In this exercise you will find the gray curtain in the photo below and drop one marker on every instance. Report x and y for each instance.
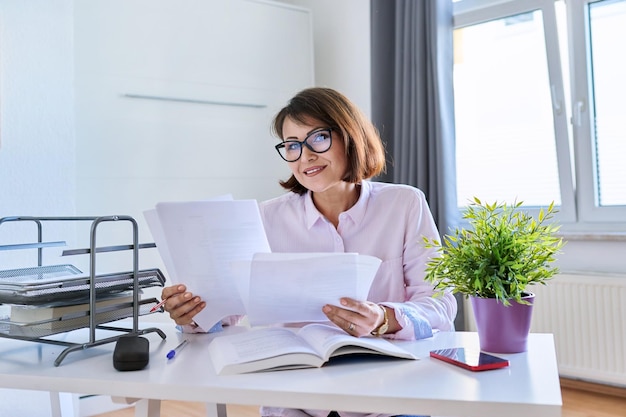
(413, 102)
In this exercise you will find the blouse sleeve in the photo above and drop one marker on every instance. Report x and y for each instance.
(422, 311)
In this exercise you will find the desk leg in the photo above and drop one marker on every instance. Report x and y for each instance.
(148, 408)
(64, 404)
(215, 410)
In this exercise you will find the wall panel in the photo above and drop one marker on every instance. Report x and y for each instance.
(174, 99)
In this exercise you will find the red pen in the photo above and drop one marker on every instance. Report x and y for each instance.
(158, 306)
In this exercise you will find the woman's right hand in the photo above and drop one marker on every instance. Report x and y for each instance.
(181, 305)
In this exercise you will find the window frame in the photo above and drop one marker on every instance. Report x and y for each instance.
(582, 119)
(578, 210)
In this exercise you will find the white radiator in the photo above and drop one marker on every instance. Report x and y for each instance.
(587, 315)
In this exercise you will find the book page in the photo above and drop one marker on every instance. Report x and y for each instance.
(274, 348)
(329, 340)
(203, 238)
(260, 349)
(293, 287)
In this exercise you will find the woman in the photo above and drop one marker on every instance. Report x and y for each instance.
(333, 150)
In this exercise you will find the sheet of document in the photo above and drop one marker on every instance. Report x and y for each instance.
(154, 224)
(293, 287)
(152, 219)
(200, 240)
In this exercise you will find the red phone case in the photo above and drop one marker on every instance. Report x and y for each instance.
(473, 360)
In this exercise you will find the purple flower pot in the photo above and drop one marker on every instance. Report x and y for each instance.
(502, 329)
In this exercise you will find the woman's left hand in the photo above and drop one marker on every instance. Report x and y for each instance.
(358, 318)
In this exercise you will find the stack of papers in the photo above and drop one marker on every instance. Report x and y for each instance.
(219, 250)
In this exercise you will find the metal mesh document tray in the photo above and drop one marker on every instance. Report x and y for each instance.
(73, 321)
(78, 300)
(45, 284)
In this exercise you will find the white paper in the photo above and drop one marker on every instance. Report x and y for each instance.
(154, 224)
(152, 220)
(293, 287)
(219, 250)
(199, 240)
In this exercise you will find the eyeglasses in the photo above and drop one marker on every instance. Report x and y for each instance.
(318, 141)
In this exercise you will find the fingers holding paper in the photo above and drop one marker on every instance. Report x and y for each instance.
(358, 318)
(181, 305)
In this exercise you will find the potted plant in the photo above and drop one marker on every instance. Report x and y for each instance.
(493, 262)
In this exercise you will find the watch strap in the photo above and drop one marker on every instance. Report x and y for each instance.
(384, 326)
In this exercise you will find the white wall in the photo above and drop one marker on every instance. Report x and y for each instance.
(209, 92)
(342, 47)
(37, 136)
(37, 149)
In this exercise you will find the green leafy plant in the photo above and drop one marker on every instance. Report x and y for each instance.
(504, 250)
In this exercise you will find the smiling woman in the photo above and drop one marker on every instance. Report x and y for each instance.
(320, 109)
(332, 205)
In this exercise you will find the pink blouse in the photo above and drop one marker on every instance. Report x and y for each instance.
(388, 221)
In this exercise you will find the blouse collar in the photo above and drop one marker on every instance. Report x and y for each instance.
(356, 212)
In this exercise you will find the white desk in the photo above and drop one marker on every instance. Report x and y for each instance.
(529, 387)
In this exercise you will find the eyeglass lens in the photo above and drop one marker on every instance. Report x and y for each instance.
(318, 142)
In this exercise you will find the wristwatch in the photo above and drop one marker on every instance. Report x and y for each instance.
(382, 329)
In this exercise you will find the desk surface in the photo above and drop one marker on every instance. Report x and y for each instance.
(529, 386)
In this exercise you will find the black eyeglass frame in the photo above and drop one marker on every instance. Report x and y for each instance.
(305, 143)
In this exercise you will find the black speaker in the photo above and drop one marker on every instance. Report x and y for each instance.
(131, 353)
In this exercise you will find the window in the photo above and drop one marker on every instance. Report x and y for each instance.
(537, 87)
(607, 33)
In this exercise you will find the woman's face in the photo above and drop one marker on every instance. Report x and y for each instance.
(317, 172)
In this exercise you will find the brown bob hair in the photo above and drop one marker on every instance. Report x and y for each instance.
(363, 146)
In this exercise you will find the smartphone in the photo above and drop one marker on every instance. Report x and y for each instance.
(472, 359)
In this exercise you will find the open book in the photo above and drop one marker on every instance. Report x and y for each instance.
(279, 348)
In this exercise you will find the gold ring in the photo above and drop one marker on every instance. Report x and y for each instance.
(351, 327)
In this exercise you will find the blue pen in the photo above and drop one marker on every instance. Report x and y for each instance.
(177, 349)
